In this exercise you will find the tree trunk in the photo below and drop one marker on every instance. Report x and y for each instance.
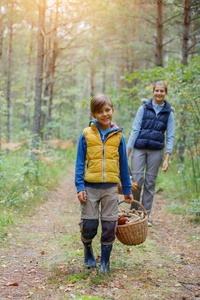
(92, 79)
(27, 96)
(92, 75)
(122, 78)
(103, 77)
(92, 70)
(1, 42)
(159, 39)
(53, 67)
(193, 39)
(39, 75)
(47, 85)
(8, 91)
(132, 67)
(186, 23)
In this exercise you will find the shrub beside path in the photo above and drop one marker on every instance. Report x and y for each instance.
(42, 257)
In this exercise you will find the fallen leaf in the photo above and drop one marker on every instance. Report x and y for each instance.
(68, 290)
(42, 252)
(178, 284)
(11, 284)
(117, 287)
(31, 271)
(61, 287)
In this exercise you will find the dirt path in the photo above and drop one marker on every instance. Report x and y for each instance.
(42, 257)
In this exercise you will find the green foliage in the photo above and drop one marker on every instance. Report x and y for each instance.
(195, 207)
(177, 208)
(24, 184)
(77, 277)
(179, 188)
(183, 95)
(89, 297)
(5, 218)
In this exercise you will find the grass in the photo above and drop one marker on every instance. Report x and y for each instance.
(24, 184)
(147, 270)
(84, 298)
(180, 188)
(69, 268)
(142, 267)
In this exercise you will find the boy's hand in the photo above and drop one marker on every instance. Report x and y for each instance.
(128, 198)
(82, 196)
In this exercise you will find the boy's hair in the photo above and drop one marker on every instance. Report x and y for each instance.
(160, 82)
(98, 101)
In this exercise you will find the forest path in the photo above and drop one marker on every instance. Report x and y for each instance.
(42, 257)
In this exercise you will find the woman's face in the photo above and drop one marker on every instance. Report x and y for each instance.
(159, 94)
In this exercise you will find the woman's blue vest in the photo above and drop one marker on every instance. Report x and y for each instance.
(153, 126)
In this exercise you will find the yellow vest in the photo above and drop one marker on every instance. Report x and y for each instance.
(102, 160)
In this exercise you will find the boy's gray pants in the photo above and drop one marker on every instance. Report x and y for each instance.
(151, 159)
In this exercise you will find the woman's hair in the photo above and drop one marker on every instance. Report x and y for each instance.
(160, 83)
(98, 101)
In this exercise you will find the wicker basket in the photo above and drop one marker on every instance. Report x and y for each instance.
(133, 233)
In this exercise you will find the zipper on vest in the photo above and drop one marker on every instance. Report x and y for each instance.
(102, 140)
(87, 167)
(103, 144)
(103, 163)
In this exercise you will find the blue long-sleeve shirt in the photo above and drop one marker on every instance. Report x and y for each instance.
(138, 122)
(80, 166)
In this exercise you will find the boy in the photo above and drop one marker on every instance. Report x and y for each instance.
(146, 142)
(101, 162)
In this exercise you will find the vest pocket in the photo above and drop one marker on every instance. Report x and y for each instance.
(117, 162)
(87, 167)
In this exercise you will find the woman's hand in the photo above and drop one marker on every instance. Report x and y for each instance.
(128, 152)
(166, 163)
(82, 196)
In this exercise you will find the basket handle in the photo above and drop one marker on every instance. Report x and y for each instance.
(138, 203)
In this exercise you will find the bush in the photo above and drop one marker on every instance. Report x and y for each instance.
(25, 184)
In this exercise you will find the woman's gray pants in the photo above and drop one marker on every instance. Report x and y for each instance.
(147, 161)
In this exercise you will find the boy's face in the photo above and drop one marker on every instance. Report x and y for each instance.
(104, 116)
(159, 94)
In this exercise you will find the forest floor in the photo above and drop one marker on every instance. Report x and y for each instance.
(42, 256)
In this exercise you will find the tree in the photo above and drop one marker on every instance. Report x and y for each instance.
(1, 41)
(39, 73)
(27, 96)
(191, 27)
(186, 24)
(159, 39)
(8, 89)
(52, 70)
